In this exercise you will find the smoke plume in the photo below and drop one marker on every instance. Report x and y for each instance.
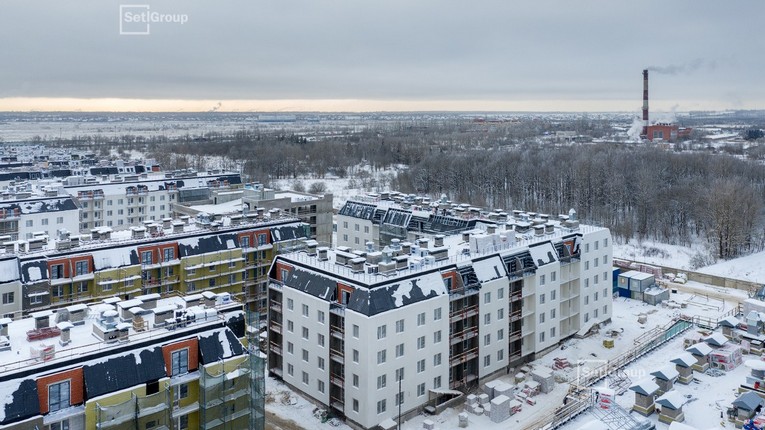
(684, 68)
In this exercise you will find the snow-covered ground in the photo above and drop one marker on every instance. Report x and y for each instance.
(749, 268)
(652, 252)
(588, 352)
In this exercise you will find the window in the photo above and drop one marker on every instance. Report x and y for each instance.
(36, 300)
(30, 223)
(382, 381)
(61, 425)
(305, 378)
(586, 247)
(596, 295)
(211, 283)
(356, 227)
(586, 265)
(305, 311)
(421, 319)
(421, 390)
(180, 362)
(595, 313)
(262, 239)
(355, 380)
(487, 318)
(541, 279)
(400, 374)
(366, 229)
(500, 313)
(500, 355)
(381, 332)
(169, 253)
(45, 221)
(345, 238)
(381, 356)
(586, 316)
(355, 405)
(399, 350)
(437, 337)
(355, 331)
(586, 282)
(500, 334)
(355, 355)
(290, 347)
(437, 382)
(400, 326)
(320, 339)
(421, 366)
(541, 337)
(553, 294)
(552, 332)
(381, 406)
(58, 396)
(8, 298)
(487, 361)
(437, 360)
(553, 276)
(305, 333)
(604, 259)
(290, 304)
(319, 316)
(290, 326)
(448, 283)
(541, 318)
(320, 386)
(146, 257)
(60, 220)
(595, 280)
(436, 314)
(487, 339)
(82, 288)
(487, 298)
(244, 241)
(57, 271)
(421, 342)
(597, 244)
(605, 292)
(399, 399)
(605, 276)
(586, 300)
(552, 314)
(541, 299)
(605, 309)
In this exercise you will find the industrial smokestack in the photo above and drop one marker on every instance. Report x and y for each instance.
(645, 103)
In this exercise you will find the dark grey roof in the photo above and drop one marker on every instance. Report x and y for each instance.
(358, 210)
(312, 283)
(211, 346)
(43, 205)
(397, 217)
(289, 232)
(34, 270)
(122, 371)
(748, 401)
(401, 293)
(25, 403)
(235, 323)
(206, 244)
(104, 171)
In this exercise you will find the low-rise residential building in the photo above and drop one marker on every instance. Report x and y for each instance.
(441, 314)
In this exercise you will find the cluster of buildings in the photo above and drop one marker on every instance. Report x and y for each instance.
(439, 298)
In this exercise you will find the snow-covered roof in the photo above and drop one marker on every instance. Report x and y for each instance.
(716, 339)
(730, 321)
(668, 373)
(684, 360)
(672, 400)
(699, 349)
(646, 387)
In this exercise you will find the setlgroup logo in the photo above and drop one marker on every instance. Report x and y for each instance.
(137, 19)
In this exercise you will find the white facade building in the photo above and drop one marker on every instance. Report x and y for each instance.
(343, 329)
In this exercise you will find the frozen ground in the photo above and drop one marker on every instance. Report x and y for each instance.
(651, 252)
(588, 352)
(749, 268)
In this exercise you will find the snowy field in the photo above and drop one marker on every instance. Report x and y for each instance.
(749, 268)
(651, 252)
(705, 408)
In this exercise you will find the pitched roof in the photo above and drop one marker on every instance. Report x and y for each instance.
(401, 293)
(672, 400)
(699, 349)
(716, 339)
(667, 373)
(123, 371)
(685, 359)
(21, 403)
(748, 401)
(646, 387)
(730, 321)
(218, 345)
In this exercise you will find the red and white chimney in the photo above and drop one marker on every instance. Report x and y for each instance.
(645, 103)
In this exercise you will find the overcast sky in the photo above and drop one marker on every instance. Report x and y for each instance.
(390, 55)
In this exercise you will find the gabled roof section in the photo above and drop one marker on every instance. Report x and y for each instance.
(9, 270)
(684, 360)
(397, 217)
(206, 244)
(392, 296)
(668, 373)
(716, 339)
(21, 403)
(34, 270)
(123, 371)
(44, 205)
(748, 401)
(730, 321)
(288, 232)
(699, 349)
(219, 345)
(543, 253)
(312, 283)
(112, 258)
(672, 400)
(489, 269)
(358, 210)
(646, 387)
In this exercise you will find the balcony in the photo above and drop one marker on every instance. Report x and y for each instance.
(464, 313)
(275, 306)
(275, 348)
(337, 332)
(337, 380)
(275, 326)
(514, 336)
(515, 316)
(515, 296)
(336, 403)
(464, 357)
(337, 356)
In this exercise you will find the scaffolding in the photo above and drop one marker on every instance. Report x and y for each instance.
(139, 412)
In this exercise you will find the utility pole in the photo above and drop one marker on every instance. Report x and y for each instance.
(400, 401)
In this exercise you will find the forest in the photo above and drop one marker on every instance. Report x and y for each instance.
(674, 194)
